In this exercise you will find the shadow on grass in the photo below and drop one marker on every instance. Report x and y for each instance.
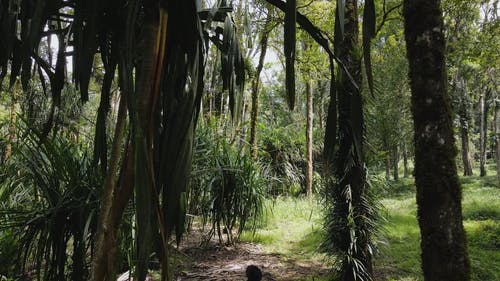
(395, 189)
(477, 181)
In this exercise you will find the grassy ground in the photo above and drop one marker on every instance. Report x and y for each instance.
(293, 229)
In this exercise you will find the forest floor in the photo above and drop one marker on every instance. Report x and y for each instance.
(285, 243)
(215, 261)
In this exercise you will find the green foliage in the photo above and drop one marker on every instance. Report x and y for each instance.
(50, 206)
(350, 225)
(8, 249)
(228, 188)
(388, 118)
(282, 151)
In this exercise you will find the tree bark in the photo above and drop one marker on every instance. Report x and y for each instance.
(497, 136)
(444, 253)
(395, 162)
(107, 228)
(405, 162)
(463, 113)
(387, 167)
(255, 86)
(309, 139)
(464, 136)
(483, 128)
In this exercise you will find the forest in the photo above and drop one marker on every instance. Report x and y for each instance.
(338, 140)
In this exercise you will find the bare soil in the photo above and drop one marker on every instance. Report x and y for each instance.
(214, 261)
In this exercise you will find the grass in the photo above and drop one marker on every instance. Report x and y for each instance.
(291, 226)
(294, 229)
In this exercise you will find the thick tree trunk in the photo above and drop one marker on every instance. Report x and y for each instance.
(255, 86)
(444, 253)
(395, 163)
(309, 139)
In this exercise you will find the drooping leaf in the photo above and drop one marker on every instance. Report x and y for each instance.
(88, 46)
(231, 56)
(180, 103)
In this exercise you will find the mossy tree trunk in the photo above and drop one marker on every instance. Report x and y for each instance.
(483, 130)
(444, 253)
(464, 117)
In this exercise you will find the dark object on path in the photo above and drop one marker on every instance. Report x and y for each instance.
(253, 273)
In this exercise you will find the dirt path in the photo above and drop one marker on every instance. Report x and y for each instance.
(218, 262)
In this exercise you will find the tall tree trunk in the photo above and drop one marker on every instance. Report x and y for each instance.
(405, 161)
(348, 191)
(309, 138)
(444, 253)
(464, 125)
(255, 85)
(466, 159)
(497, 136)
(483, 128)
(387, 167)
(107, 228)
(320, 108)
(395, 162)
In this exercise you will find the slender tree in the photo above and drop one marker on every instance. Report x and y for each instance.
(483, 130)
(463, 112)
(256, 81)
(309, 137)
(496, 121)
(444, 253)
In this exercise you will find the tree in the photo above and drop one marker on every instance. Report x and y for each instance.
(256, 81)
(444, 253)
(460, 18)
(349, 215)
(388, 111)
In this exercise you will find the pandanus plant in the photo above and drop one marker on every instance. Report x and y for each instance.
(154, 51)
